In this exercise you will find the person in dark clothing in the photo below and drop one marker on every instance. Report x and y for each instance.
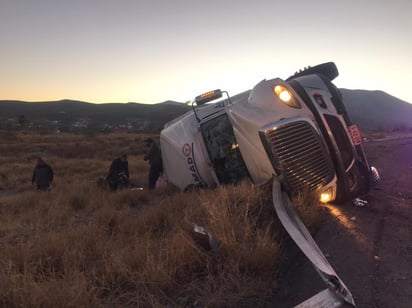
(154, 157)
(118, 176)
(42, 175)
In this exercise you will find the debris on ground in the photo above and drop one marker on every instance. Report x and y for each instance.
(202, 237)
(359, 202)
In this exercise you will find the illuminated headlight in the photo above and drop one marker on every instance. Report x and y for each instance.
(326, 196)
(285, 96)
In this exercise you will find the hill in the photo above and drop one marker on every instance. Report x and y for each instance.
(371, 110)
(70, 113)
(377, 110)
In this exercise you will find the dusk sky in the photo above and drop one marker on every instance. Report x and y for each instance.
(156, 50)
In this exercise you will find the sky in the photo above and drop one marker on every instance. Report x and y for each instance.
(150, 51)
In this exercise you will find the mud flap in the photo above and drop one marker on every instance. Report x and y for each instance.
(337, 294)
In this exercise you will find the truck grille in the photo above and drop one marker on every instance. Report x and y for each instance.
(298, 153)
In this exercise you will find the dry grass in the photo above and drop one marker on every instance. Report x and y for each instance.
(82, 246)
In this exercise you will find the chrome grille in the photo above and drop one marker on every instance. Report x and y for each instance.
(300, 155)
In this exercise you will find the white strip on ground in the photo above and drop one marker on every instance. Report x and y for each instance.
(301, 236)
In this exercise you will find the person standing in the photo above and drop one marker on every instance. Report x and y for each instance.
(154, 157)
(118, 176)
(42, 175)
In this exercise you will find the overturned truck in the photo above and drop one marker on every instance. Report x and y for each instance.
(294, 132)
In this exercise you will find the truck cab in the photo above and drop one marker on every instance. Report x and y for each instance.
(295, 129)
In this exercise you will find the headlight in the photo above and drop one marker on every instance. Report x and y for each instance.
(326, 196)
(285, 96)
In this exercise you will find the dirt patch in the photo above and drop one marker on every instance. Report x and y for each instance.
(370, 247)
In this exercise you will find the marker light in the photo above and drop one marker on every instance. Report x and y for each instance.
(285, 96)
(208, 96)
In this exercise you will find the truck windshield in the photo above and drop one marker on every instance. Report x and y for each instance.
(223, 150)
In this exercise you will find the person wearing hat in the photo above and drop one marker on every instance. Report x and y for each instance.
(118, 176)
(154, 157)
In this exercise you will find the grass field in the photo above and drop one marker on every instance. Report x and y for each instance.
(81, 245)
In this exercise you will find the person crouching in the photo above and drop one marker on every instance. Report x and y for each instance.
(118, 176)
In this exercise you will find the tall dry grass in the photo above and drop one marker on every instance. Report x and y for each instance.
(79, 245)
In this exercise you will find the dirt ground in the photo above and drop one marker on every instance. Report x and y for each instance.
(369, 247)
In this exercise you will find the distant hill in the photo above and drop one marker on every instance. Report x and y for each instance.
(65, 113)
(377, 110)
(113, 111)
(371, 110)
